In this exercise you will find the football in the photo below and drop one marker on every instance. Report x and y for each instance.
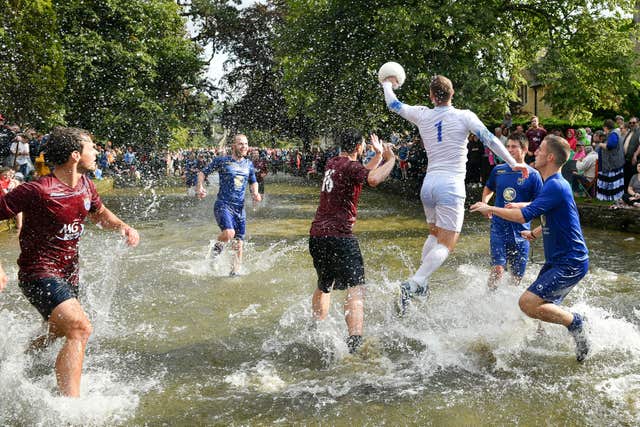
(392, 69)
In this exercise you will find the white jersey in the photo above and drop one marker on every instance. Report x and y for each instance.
(444, 132)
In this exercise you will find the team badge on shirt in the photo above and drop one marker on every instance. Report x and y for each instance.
(87, 204)
(509, 194)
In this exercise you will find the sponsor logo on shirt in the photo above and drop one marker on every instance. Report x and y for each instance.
(71, 231)
(509, 194)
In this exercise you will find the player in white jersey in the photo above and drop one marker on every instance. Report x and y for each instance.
(444, 130)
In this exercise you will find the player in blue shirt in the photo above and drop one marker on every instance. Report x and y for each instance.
(236, 171)
(566, 254)
(507, 244)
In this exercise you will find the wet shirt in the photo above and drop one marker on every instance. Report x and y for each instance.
(234, 177)
(535, 137)
(509, 187)
(53, 221)
(341, 188)
(561, 230)
(444, 131)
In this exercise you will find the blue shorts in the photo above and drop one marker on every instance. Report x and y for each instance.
(46, 294)
(506, 248)
(230, 217)
(555, 281)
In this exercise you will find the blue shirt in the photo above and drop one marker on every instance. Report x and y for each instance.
(561, 231)
(191, 172)
(234, 176)
(510, 187)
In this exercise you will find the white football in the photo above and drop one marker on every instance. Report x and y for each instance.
(392, 69)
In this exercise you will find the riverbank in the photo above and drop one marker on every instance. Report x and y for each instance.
(592, 213)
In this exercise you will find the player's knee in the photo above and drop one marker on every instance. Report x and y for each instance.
(80, 329)
(228, 235)
(527, 305)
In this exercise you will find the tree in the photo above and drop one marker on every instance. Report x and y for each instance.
(31, 65)
(132, 73)
(330, 51)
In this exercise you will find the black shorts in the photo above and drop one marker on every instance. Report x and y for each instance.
(46, 294)
(338, 262)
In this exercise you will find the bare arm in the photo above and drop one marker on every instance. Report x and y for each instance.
(200, 190)
(487, 194)
(513, 215)
(381, 173)
(3, 278)
(253, 188)
(531, 235)
(377, 148)
(108, 220)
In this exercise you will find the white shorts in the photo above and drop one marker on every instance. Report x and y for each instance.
(443, 201)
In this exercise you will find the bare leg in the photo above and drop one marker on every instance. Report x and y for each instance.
(237, 257)
(354, 310)
(537, 308)
(69, 320)
(320, 304)
(495, 276)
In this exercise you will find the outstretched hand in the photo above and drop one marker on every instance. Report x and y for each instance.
(375, 143)
(201, 193)
(131, 235)
(393, 80)
(522, 167)
(482, 208)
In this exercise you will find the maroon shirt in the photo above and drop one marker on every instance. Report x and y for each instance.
(535, 137)
(341, 187)
(53, 221)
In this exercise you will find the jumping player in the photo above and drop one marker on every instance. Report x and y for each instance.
(236, 171)
(507, 244)
(444, 130)
(334, 248)
(54, 209)
(565, 251)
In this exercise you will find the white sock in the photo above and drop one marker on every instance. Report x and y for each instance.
(429, 244)
(435, 258)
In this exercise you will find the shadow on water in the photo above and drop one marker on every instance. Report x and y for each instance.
(178, 342)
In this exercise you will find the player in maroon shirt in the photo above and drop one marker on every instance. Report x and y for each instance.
(535, 135)
(54, 209)
(334, 248)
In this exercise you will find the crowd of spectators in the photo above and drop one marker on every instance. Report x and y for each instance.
(603, 163)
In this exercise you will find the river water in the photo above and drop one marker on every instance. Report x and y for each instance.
(178, 342)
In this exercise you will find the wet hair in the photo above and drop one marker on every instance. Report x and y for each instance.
(609, 124)
(441, 88)
(350, 139)
(62, 142)
(520, 138)
(559, 147)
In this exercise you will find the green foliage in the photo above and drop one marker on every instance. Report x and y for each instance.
(31, 65)
(123, 69)
(131, 72)
(330, 51)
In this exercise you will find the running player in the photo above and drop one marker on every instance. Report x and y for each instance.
(444, 130)
(507, 244)
(54, 208)
(334, 248)
(236, 171)
(565, 251)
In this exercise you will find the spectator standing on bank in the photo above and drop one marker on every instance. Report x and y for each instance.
(611, 170)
